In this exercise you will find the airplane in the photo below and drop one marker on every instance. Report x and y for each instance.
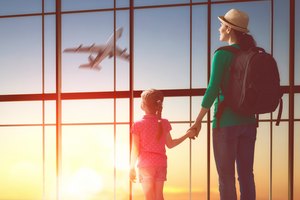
(102, 51)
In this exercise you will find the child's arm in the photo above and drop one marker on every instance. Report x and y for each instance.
(170, 142)
(134, 156)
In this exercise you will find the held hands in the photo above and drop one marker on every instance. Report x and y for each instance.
(195, 128)
(192, 133)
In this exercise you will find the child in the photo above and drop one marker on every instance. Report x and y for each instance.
(150, 135)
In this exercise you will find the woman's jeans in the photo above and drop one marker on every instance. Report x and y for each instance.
(232, 145)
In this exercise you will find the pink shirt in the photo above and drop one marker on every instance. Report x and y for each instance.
(152, 151)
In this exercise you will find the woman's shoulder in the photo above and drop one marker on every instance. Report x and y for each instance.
(226, 50)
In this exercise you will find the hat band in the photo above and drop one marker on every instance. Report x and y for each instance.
(234, 24)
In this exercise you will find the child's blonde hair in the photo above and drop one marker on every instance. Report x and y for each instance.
(153, 100)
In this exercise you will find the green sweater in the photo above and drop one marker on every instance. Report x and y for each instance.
(220, 65)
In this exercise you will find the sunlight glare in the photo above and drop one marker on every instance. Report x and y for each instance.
(86, 182)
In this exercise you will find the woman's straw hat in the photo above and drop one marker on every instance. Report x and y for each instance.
(236, 19)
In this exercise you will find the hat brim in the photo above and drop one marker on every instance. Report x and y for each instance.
(238, 28)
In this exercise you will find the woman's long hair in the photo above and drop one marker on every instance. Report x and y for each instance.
(153, 100)
(245, 40)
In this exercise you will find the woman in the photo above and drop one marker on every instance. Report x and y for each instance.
(234, 139)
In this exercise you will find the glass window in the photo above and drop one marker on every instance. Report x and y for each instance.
(158, 2)
(50, 56)
(88, 162)
(87, 111)
(50, 162)
(199, 165)
(177, 186)
(14, 7)
(122, 110)
(29, 112)
(122, 66)
(21, 163)
(297, 42)
(122, 3)
(122, 161)
(71, 5)
(280, 161)
(281, 39)
(49, 5)
(20, 51)
(262, 161)
(199, 47)
(161, 51)
(79, 30)
(296, 106)
(297, 160)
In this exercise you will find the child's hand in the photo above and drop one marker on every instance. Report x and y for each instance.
(132, 175)
(192, 133)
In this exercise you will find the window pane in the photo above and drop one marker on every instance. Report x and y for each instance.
(177, 184)
(161, 58)
(122, 3)
(296, 106)
(297, 161)
(50, 5)
(87, 111)
(158, 2)
(122, 112)
(68, 5)
(50, 162)
(281, 39)
(13, 7)
(80, 29)
(50, 56)
(176, 108)
(21, 163)
(88, 162)
(199, 73)
(122, 69)
(20, 51)
(21, 112)
(50, 112)
(122, 161)
(297, 42)
(199, 165)
(262, 161)
(280, 161)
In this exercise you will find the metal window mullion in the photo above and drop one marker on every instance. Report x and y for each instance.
(208, 77)
(191, 65)
(58, 98)
(131, 81)
(291, 102)
(43, 100)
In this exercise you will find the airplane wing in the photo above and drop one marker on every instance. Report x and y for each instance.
(86, 49)
(122, 53)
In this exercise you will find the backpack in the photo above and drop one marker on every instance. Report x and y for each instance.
(254, 84)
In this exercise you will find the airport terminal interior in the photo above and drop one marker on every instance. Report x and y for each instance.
(71, 76)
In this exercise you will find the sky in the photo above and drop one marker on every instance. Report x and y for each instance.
(162, 53)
